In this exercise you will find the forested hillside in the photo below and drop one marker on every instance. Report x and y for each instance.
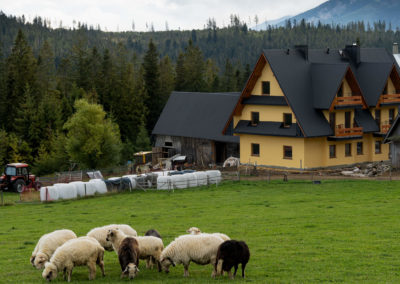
(88, 97)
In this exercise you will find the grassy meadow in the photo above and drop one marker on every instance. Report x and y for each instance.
(298, 232)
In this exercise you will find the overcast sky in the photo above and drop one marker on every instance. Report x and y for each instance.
(118, 15)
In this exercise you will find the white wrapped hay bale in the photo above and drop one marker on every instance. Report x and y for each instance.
(48, 193)
(90, 187)
(98, 185)
(179, 181)
(66, 190)
(114, 178)
(164, 183)
(80, 188)
(201, 178)
(214, 177)
(192, 179)
(132, 179)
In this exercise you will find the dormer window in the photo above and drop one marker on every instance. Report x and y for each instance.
(266, 88)
(255, 118)
(287, 119)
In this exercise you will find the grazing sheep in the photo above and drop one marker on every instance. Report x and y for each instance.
(150, 261)
(196, 231)
(47, 244)
(76, 252)
(128, 252)
(230, 254)
(100, 234)
(201, 249)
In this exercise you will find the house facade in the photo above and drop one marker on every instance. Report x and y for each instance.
(310, 108)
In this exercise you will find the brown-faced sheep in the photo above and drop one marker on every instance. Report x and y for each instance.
(201, 249)
(75, 252)
(196, 231)
(100, 234)
(47, 245)
(230, 254)
(128, 252)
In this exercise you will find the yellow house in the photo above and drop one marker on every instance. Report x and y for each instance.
(308, 109)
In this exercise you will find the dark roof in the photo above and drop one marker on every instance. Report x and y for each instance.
(267, 128)
(391, 129)
(365, 120)
(265, 100)
(326, 80)
(197, 115)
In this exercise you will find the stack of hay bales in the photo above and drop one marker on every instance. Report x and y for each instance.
(201, 178)
(214, 177)
(164, 183)
(179, 181)
(48, 193)
(192, 179)
(66, 191)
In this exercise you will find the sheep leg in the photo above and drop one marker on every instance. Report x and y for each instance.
(92, 270)
(148, 262)
(243, 267)
(101, 264)
(186, 273)
(159, 266)
(69, 272)
(65, 273)
(236, 268)
(214, 264)
(230, 274)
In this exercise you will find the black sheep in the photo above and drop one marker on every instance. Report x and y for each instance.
(153, 233)
(128, 255)
(230, 254)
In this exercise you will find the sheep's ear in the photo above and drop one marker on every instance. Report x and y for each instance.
(137, 269)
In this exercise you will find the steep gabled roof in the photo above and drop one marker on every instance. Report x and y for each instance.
(197, 115)
(372, 86)
(293, 74)
(326, 80)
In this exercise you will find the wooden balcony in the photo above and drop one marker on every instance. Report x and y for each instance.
(385, 128)
(347, 101)
(389, 99)
(341, 131)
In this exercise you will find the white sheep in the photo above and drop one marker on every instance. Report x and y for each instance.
(196, 231)
(149, 246)
(47, 244)
(76, 252)
(100, 234)
(201, 249)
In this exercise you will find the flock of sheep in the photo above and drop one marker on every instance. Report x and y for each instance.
(61, 250)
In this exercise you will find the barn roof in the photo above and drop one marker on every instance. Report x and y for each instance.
(197, 115)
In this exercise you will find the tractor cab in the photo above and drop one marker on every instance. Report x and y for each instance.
(16, 176)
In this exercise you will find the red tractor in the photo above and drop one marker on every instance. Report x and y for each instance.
(16, 177)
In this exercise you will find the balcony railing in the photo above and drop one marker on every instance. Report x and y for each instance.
(345, 101)
(341, 131)
(385, 126)
(389, 98)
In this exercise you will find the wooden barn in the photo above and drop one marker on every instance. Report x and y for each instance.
(191, 124)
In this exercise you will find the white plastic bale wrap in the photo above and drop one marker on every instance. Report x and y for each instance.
(164, 183)
(66, 190)
(97, 185)
(201, 178)
(114, 178)
(192, 179)
(48, 193)
(214, 177)
(179, 181)
(132, 179)
(80, 188)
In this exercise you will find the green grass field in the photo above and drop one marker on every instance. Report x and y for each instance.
(339, 231)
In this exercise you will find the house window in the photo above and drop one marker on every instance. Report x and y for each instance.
(255, 118)
(266, 88)
(287, 119)
(287, 152)
(255, 150)
(378, 117)
(332, 120)
(359, 148)
(391, 116)
(340, 91)
(347, 119)
(332, 151)
(378, 147)
(347, 149)
(168, 144)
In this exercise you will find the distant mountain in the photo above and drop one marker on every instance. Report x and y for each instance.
(345, 11)
(264, 25)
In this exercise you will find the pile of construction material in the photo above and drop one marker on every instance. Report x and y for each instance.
(369, 170)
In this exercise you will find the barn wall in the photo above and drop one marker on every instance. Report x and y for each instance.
(198, 151)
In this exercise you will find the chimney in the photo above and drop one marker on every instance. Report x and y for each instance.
(353, 52)
(303, 49)
(395, 48)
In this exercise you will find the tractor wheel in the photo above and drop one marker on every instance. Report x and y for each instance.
(19, 185)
